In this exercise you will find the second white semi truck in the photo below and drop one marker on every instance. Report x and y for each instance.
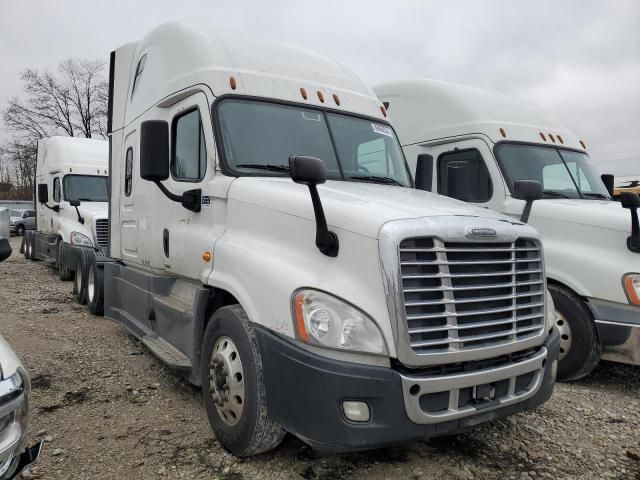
(71, 206)
(476, 145)
(266, 240)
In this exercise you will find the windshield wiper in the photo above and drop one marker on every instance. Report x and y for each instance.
(596, 195)
(553, 193)
(377, 179)
(273, 168)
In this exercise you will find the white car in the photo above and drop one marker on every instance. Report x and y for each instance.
(21, 221)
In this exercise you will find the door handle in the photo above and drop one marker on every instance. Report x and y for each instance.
(165, 242)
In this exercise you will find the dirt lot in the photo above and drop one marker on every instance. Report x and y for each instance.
(108, 409)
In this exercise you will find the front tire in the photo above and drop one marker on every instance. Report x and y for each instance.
(233, 386)
(20, 230)
(580, 348)
(82, 274)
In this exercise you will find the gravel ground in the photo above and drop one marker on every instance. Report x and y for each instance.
(106, 408)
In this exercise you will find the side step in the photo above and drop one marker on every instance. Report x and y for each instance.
(166, 352)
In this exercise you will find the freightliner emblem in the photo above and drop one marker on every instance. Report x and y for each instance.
(481, 232)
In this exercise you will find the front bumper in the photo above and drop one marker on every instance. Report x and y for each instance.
(305, 392)
(618, 329)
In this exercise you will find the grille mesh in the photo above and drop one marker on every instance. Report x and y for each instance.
(463, 296)
(102, 232)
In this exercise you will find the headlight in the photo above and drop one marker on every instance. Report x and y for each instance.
(80, 240)
(324, 320)
(551, 312)
(631, 283)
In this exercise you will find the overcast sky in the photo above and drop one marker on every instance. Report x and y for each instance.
(578, 59)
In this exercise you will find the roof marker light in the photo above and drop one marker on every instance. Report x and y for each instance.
(303, 92)
(503, 133)
(553, 139)
(383, 110)
(336, 99)
(320, 96)
(583, 145)
(559, 139)
(232, 83)
(543, 137)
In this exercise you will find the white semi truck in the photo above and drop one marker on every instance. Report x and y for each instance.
(475, 145)
(71, 205)
(266, 241)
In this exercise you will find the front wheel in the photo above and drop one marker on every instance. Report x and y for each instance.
(233, 385)
(580, 348)
(95, 292)
(20, 230)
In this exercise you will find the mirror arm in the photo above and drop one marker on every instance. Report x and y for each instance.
(526, 212)
(80, 218)
(191, 199)
(633, 242)
(326, 241)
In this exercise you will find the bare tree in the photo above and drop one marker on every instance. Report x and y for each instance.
(72, 102)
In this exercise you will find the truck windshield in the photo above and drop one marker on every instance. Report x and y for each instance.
(259, 137)
(86, 188)
(563, 173)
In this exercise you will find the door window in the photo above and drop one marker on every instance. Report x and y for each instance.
(56, 189)
(189, 159)
(473, 183)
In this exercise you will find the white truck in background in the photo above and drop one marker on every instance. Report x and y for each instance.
(267, 242)
(475, 145)
(71, 205)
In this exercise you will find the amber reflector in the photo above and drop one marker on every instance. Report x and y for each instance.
(206, 256)
(232, 82)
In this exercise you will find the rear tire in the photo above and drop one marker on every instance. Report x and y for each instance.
(31, 242)
(95, 293)
(82, 273)
(576, 326)
(20, 230)
(25, 245)
(61, 260)
(231, 364)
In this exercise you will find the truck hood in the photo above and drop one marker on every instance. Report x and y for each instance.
(93, 209)
(354, 206)
(9, 361)
(596, 213)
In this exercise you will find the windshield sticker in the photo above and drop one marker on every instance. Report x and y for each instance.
(382, 129)
(314, 117)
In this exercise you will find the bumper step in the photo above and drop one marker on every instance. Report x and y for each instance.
(166, 352)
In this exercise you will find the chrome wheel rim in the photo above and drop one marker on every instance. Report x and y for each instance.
(565, 335)
(91, 287)
(226, 381)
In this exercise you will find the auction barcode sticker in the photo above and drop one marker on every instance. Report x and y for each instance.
(382, 129)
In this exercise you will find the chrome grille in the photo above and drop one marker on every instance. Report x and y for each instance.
(460, 296)
(102, 232)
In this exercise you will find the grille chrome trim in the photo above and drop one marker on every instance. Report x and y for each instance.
(101, 232)
(453, 385)
(445, 282)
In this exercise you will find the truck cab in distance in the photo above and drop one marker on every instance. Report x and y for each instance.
(71, 202)
(267, 242)
(475, 145)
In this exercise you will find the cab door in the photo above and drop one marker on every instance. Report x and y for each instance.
(187, 236)
(131, 222)
(479, 182)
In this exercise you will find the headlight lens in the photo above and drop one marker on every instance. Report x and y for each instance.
(324, 320)
(80, 240)
(631, 282)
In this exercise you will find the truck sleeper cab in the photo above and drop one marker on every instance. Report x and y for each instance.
(473, 145)
(266, 241)
(71, 206)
